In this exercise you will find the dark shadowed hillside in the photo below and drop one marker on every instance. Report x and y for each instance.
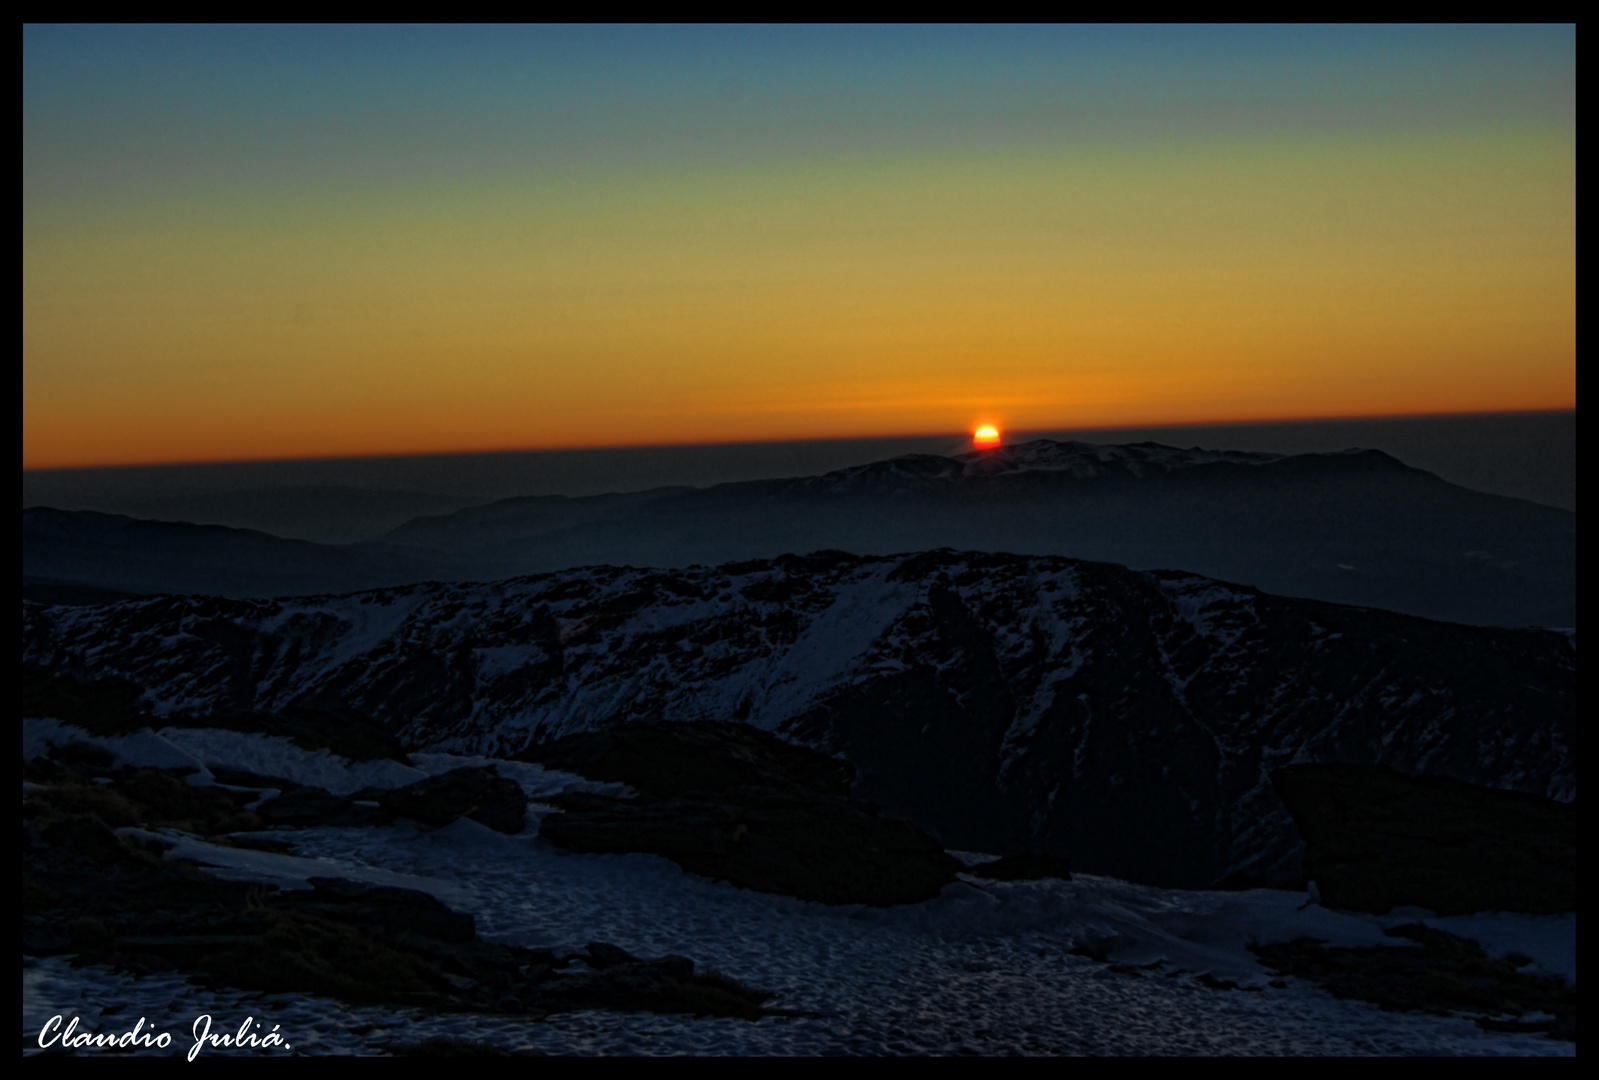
(1127, 720)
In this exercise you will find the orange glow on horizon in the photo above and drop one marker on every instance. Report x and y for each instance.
(866, 296)
(985, 437)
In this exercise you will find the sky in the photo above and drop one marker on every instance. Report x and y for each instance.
(263, 243)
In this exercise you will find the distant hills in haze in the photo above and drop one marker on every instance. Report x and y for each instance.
(336, 514)
(1357, 527)
(81, 556)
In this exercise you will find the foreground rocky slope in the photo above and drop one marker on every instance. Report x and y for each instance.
(97, 887)
(1126, 720)
(118, 913)
(1447, 975)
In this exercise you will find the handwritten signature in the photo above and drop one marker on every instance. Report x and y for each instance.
(66, 1033)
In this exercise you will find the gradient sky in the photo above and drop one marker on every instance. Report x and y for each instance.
(279, 242)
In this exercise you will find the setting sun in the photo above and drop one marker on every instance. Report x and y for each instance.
(986, 437)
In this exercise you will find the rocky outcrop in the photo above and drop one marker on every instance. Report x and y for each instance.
(1446, 974)
(675, 759)
(112, 706)
(740, 805)
(110, 897)
(477, 792)
(345, 732)
(301, 807)
(481, 794)
(1376, 839)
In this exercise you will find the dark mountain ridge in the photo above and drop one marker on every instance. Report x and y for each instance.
(1127, 720)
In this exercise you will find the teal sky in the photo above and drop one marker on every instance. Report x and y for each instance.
(113, 106)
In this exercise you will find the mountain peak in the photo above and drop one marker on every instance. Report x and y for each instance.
(1048, 455)
(1082, 460)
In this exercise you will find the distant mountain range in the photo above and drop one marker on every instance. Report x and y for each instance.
(81, 556)
(339, 514)
(1355, 527)
(1127, 720)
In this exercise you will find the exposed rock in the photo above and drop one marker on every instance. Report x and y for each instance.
(384, 910)
(1446, 974)
(313, 806)
(1377, 839)
(111, 898)
(157, 798)
(244, 778)
(113, 706)
(1024, 867)
(731, 802)
(675, 759)
(345, 732)
(479, 793)
(103, 706)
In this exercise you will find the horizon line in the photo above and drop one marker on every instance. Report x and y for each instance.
(1005, 435)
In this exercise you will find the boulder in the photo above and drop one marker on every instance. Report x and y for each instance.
(382, 910)
(1376, 839)
(675, 759)
(735, 803)
(305, 806)
(1448, 974)
(479, 793)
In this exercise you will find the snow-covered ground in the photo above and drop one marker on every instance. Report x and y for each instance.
(985, 968)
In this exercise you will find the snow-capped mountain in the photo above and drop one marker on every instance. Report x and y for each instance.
(1353, 527)
(1125, 719)
(1083, 461)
